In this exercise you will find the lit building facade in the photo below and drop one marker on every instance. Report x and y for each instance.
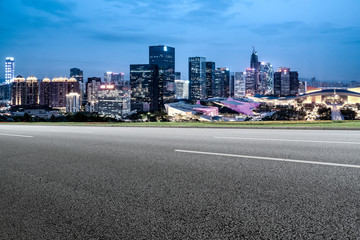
(25, 92)
(255, 64)
(266, 79)
(92, 87)
(210, 78)
(250, 81)
(239, 84)
(164, 57)
(113, 101)
(286, 82)
(73, 102)
(60, 87)
(197, 78)
(9, 70)
(221, 86)
(144, 82)
(114, 78)
(45, 92)
(182, 89)
(18, 91)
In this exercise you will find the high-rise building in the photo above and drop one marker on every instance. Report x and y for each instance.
(182, 89)
(114, 78)
(266, 79)
(197, 78)
(255, 64)
(144, 82)
(177, 75)
(18, 91)
(221, 84)
(210, 78)
(9, 70)
(113, 101)
(286, 82)
(45, 92)
(25, 93)
(232, 84)
(164, 57)
(32, 91)
(92, 86)
(250, 81)
(302, 87)
(60, 87)
(77, 74)
(73, 102)
(239, 84)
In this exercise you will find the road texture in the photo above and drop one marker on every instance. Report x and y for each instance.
(171, 183)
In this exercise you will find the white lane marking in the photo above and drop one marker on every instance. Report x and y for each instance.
(287, 140)
(15, 135)
(271, 159)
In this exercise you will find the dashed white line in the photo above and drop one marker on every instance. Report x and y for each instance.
(271, 159)
(287, 140)
(15, 135)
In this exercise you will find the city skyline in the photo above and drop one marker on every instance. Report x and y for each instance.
(49, 37)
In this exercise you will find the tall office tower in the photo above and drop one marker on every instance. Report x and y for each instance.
(221, 84)
(313, 82)
(60, 87)
(144, 82)
(9, 70)
(18, 91)
(294, 83)
(114, 78)
(255, 64)
(266, 79)
(210, 78)
(113, 101)
(45, 92)
(164, 57)
(177, 75)
(239, 84)
(182, 89)
(227, 82)
(232, 84)
(77, 74)
(286, 83)
(302, 87)
(197, 78)
(250, 82)
(32, 91)
(92, 87)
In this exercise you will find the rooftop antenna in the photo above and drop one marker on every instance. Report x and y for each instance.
(254, 49)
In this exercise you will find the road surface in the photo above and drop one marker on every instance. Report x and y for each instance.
(172, 183)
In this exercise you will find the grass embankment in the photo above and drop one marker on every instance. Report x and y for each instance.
(271, 124)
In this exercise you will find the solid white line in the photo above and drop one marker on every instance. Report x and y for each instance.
(286, 140)
(271, 159)
(15, 135)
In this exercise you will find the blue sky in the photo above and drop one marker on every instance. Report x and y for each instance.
(48, 37)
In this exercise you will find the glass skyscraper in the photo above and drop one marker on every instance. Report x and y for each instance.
(286, 82)
(210, 78)
(9, 70)
(164, 57)
(197, 78)
(266, 79)
(144, 81)
(221, 85)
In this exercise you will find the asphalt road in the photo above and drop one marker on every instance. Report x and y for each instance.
(172, 183)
